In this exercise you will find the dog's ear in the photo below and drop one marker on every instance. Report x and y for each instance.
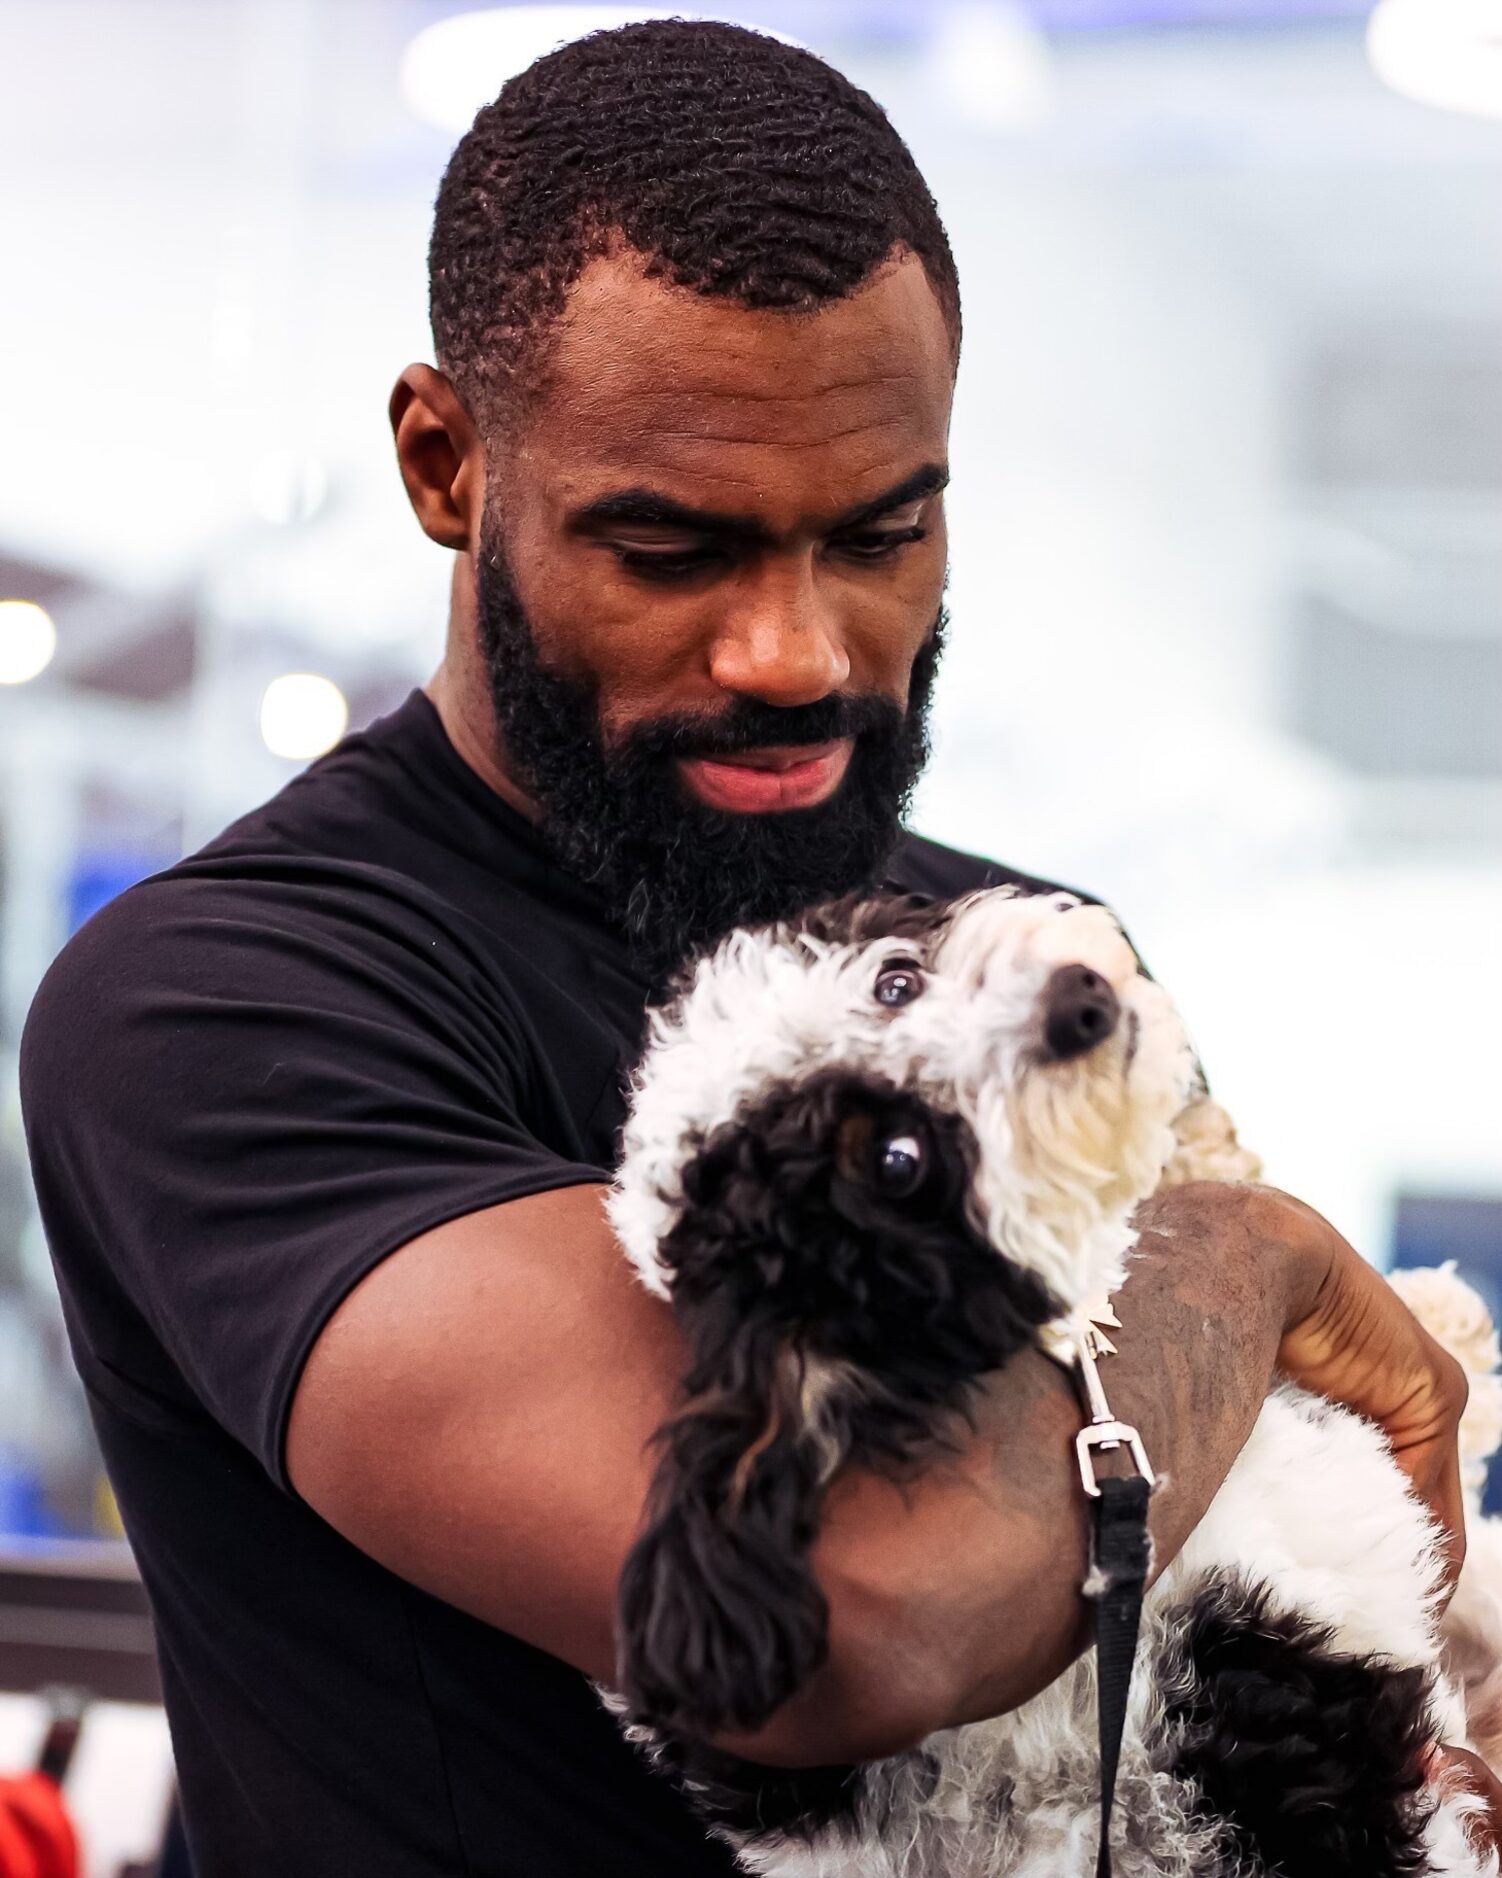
(836, 1305)
(720, 1616)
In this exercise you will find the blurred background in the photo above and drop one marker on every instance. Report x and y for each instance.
(1227, 553)
(1226, 513)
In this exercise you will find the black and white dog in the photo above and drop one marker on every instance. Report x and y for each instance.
(870, 1156)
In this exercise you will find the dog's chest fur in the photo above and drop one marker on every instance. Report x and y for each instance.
(1314, 1570)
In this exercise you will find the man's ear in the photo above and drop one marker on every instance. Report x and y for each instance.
(440, 455)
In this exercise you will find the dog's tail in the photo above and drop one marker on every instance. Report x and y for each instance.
(720, 1615)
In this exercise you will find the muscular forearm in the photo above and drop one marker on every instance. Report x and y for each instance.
(972, 1572)
(477, 1414)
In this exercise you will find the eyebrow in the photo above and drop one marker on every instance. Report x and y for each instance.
(648, 506)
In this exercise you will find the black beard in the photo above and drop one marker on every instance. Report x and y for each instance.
(676, 874)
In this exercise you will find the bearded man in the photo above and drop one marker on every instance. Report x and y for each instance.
(320, 1117)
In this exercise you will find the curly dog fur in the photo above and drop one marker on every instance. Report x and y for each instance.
(869, 1157)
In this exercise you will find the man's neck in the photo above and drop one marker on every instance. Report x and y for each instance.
(470, 728)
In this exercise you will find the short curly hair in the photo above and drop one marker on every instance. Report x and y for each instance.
(734, 163)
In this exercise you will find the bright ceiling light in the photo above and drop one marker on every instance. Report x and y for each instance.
(455, 65)
(1442, 52)
(28, 640)
(302, 715)
(993, 65)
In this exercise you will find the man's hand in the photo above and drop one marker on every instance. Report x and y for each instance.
(1345, 1333)
(1353, 1341)
(1459, 1767)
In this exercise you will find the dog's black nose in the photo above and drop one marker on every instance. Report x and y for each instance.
(1080, 1010)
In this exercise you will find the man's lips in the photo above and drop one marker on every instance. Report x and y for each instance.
(783, 776)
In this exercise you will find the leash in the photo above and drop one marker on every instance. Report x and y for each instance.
(1118, 1566)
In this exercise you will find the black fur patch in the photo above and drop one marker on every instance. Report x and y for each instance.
(861, 919)
(1314, 1758)
(798, 1802)
(786, 1229)
(857, 919)
(790, 1259)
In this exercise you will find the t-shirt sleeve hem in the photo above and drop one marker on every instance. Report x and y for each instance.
(288, 1373)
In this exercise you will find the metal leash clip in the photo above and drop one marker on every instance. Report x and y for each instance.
(1103, 1432)
(1120, 1549)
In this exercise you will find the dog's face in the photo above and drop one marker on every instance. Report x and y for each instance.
(1000, 1057)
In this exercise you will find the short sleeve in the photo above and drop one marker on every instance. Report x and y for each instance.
(240, 1097)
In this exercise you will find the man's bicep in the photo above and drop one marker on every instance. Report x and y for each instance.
(475, 1415)
(238, 1109)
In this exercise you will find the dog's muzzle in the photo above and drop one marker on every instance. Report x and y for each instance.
(1080, 1010)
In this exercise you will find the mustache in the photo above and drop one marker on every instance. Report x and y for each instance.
(750, 724)
(870, 718)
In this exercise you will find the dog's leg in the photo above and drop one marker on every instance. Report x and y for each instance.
(1471, 1630)
(1307, 1692)
(1317, 1759)
(1457, 1318)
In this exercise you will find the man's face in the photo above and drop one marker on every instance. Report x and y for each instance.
(709, 588)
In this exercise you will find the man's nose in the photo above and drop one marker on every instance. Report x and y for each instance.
(779, 642)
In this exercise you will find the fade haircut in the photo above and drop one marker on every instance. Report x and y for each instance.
(732, 163)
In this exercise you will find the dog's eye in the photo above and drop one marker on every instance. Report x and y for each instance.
(899, 982)
(901, 1163)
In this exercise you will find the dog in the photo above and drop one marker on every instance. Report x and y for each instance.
(870, 1156)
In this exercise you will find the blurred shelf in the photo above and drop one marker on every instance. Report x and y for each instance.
(75, 1612)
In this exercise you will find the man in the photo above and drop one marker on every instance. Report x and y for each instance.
(320, 1117)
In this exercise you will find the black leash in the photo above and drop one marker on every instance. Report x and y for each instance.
(1121, 1561)
(1118, 1569)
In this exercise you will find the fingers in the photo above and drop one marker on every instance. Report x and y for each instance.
(1358, 1344)
(1465, 1769)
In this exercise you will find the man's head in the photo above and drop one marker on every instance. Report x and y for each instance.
(697, 323)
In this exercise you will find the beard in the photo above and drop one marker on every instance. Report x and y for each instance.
(675, 873)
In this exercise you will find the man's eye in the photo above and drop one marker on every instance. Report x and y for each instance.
(668, 564)
(876, 544)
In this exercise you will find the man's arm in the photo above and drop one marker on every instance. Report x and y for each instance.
(476, 1417)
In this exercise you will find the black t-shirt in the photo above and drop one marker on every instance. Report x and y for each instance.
(373, 1005)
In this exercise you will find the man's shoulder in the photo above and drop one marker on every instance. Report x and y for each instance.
(928, 867)
(219, 929)
(91, 990)
(225, 896)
